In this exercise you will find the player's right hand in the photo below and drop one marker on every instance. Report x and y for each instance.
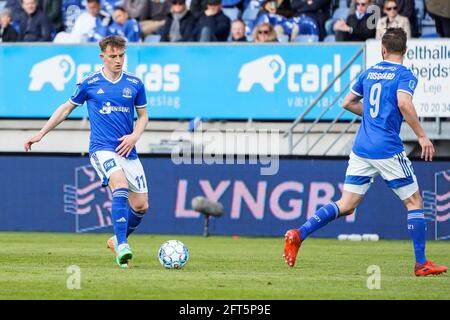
(427, 149)
(30, 141)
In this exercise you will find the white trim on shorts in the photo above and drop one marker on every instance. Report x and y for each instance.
(396, 171)
(106, 163)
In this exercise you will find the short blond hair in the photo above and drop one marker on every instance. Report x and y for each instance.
(112, 41)
(272, 33)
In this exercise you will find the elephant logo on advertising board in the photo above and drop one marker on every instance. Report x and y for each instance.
(56, 71)
(266, 71)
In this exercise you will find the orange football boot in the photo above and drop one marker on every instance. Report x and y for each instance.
(291, 246)
(428, 268)
(110, 244)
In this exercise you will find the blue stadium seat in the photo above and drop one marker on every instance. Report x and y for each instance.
(250, 14)
(430, 35)
(330, 38)
(343, 4)
(229, 3)
(152, 38)
(420, 9)
(307, 38)
(232, 13)
(428, 27)
(340, 13)
(2, 4)
(307, 25)
(283, 38)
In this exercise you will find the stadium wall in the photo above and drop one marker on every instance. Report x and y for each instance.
(223, 81)
(61, 193)
(271, 82)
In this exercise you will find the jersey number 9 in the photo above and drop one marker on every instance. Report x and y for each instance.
(375, 94)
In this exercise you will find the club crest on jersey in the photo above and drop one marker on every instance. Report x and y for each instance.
(109, 164)
(127, 93)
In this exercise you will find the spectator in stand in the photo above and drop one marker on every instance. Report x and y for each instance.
(407, 8)
(7, 31)
(319, 10)
(15, 7)
(264, 32)
(270, 13)
(197, 7)
(110, 5)
(90, 26)
(439, 10)
(238, 31)
(179, 23)
(392, 20)
(124, 26)
(34, 25)
(156, 17)
(71, 10)
(213, 24)
(52, 9)
(356, 28)
(137, 9)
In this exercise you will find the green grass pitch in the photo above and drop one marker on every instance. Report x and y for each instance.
(34, 266)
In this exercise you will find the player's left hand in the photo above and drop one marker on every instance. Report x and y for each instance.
(126, 146)
(427, 149)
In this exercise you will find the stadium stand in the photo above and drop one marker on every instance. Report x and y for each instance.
(422, 22)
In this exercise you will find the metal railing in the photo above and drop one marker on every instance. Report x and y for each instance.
(290, 132)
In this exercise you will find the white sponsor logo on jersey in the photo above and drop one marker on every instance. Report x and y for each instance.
(107, 108)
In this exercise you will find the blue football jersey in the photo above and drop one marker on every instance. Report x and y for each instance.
(111, 108)
(379, 134)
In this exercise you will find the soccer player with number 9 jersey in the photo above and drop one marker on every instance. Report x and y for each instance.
(387, 90)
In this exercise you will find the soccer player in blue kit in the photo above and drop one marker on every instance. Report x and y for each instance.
(112, 95)
(387, 89)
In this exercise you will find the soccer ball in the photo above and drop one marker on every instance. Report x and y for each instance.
(173, 254)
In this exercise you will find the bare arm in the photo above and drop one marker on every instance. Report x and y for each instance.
(352, 103)
(57, 117)
(128, 141)
(408, 111)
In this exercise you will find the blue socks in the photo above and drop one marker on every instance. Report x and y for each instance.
(417, 228)
(322, 217)
(120, 214)
(416, 225)
(134, 219)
